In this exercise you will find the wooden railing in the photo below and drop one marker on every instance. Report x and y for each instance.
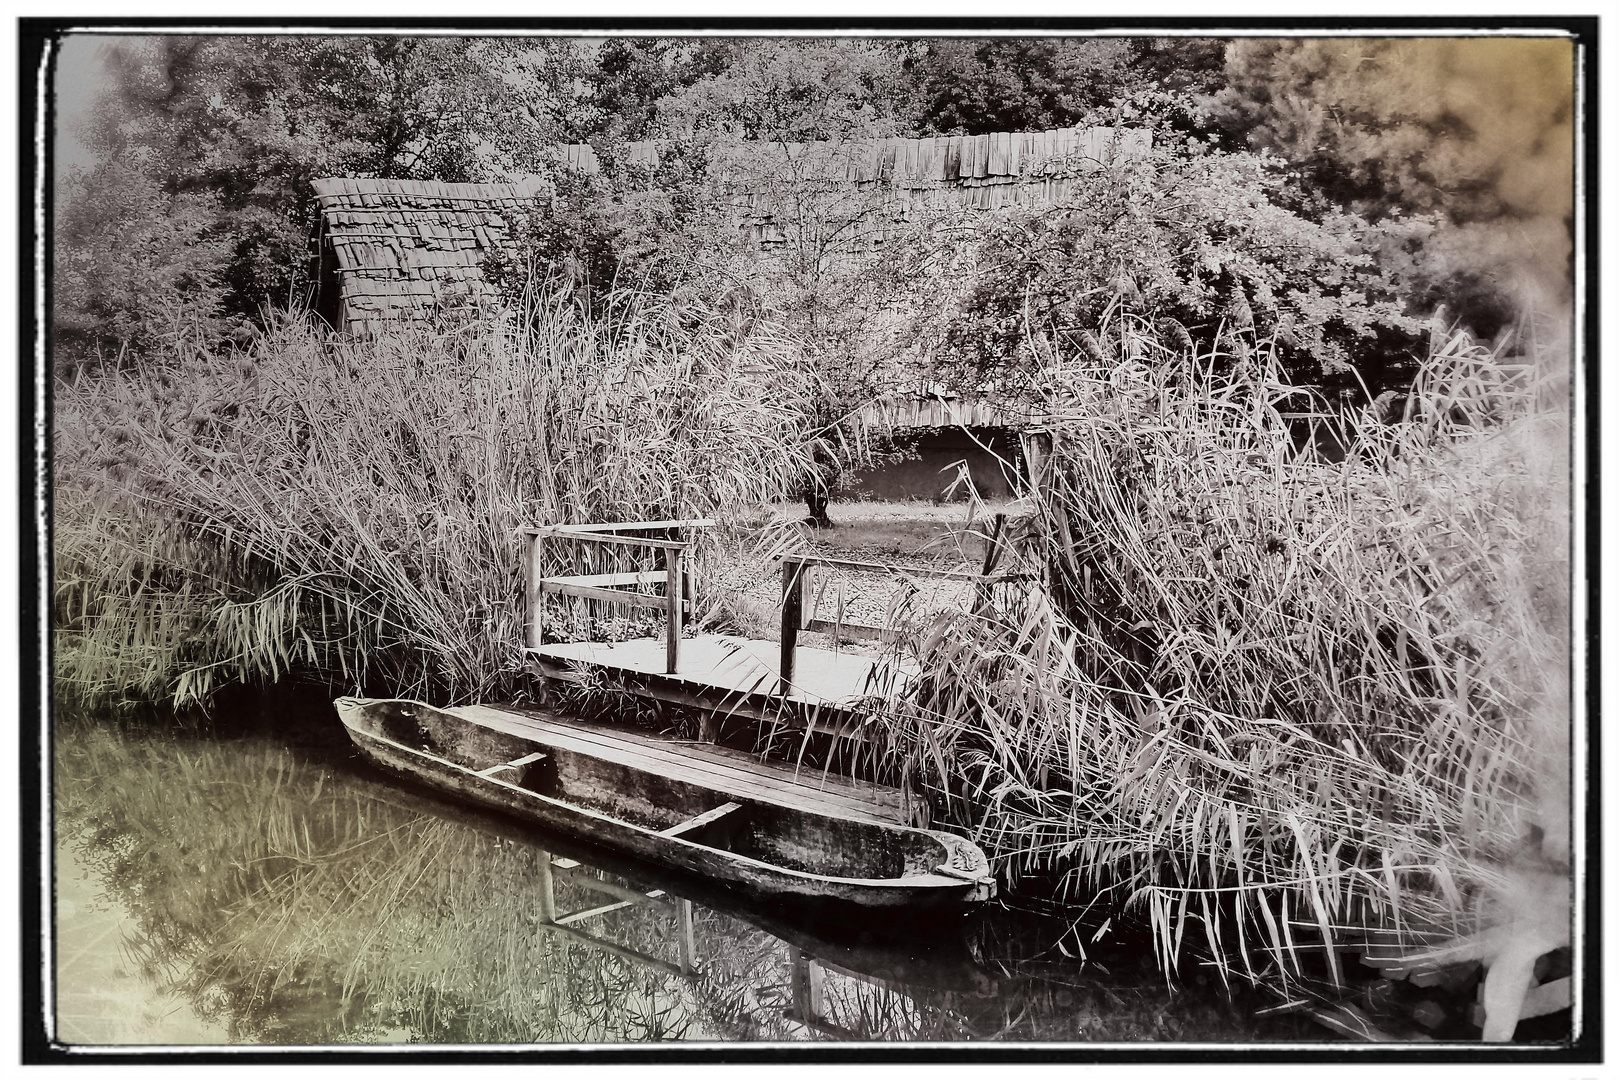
(676, 602)
(793, 577)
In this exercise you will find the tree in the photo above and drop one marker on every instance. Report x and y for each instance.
(1194, 245)
(227, 132)
(1475, 132)
(973, 86)
(779, 121)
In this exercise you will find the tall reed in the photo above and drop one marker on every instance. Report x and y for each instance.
(352, 508)
(1268, 700)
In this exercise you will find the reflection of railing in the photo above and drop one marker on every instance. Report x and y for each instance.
(676, 603)
(807, 1004)
(624, 897)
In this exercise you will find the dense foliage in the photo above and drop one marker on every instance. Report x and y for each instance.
(1270, 701)
(1256, 694)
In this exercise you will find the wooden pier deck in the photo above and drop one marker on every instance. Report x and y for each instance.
(720, 768)
(724, 672)
(821, 690)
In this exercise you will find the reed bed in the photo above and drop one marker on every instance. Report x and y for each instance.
(351, 509)
(1268, 702)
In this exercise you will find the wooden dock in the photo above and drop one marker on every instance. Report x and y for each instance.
(822, 690)
(729, 676)
(729, 771)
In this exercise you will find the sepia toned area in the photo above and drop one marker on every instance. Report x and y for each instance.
(1139, 467)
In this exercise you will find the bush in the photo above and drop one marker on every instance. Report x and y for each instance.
(1196, 242)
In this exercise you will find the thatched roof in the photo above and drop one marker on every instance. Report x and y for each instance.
(978, 172)
(401, 249)
(998, 159)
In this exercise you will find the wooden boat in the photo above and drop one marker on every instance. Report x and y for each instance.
(841, 866)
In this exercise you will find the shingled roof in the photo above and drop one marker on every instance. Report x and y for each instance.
(402, 249)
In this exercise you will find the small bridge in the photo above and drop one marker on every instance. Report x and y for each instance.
(722, 675)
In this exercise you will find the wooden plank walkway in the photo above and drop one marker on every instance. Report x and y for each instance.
(736, 666)
(717, 767)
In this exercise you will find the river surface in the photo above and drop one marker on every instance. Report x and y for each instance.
(263, 888)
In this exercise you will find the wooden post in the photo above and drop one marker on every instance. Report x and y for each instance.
(674, 558)
(531, 591)
(1036, 444)
(806, 987)
(992, 558)
(792, 615)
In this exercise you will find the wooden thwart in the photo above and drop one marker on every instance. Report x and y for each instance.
(701, 820)
(527, 759)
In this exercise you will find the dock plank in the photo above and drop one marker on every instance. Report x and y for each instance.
(748, 779)
(733, 664)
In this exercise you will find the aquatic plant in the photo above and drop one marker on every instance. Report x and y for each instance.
(352, 509)
(1265, 701)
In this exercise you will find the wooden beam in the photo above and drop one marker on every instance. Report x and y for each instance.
(601, 538)
(853, 630)
(626, 526)
(629, 577)
(701, 820)
(581, 876)
(896, 569)
(614, 596)
(538, 755)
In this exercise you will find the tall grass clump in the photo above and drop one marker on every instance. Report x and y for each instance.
(351, 509)
(1264, 701)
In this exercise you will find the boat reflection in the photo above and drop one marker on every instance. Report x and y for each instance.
(291, 895)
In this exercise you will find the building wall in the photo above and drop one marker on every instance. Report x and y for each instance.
(929, 471)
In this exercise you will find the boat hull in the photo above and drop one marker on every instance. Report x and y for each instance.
(750, 849)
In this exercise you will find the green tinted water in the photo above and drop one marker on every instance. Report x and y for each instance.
(253, 890)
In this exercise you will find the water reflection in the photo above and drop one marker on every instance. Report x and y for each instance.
(292, 896)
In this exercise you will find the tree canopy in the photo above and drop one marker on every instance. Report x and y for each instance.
(1340, 189)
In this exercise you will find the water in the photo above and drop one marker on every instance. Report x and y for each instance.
(272, 889)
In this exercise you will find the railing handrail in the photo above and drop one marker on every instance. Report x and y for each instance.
(600, 534)
(626, 526)
(674, 603)
(896, 568)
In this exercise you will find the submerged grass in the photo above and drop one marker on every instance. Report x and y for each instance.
(1272, 702)
(352, 508)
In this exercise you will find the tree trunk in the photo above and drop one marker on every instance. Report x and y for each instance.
(816, 500)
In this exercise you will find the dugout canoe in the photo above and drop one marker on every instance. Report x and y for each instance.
(837, 865)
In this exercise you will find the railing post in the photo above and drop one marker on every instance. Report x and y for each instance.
(531, 590)
(992, 558)
(674, 558)
(792, 616)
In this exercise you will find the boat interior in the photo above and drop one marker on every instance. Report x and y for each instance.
(778, 835)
